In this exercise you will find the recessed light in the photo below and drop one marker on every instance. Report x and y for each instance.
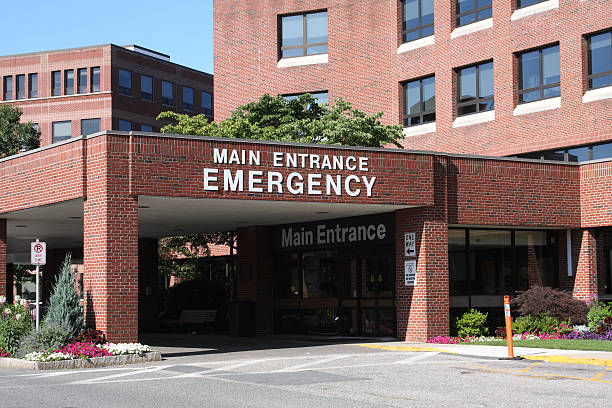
(242, 222)
(75, 217)
(322, 212)
(21, 226)
(144, 206)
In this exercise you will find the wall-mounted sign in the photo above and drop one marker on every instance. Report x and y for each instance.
(410, 272)
(312, 174)
(410, 244)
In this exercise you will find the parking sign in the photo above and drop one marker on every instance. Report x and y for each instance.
(38, 253)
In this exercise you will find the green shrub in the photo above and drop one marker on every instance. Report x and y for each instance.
(472, 323)
(524, 324)
(559, 304)
(597, 313)
(15, 321)
(64, 307)
(544, 323)
(48, 338)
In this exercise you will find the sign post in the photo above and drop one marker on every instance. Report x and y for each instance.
(38, 256)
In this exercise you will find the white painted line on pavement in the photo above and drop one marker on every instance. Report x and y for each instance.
(309, 364)
(417, 357)
(108, 377)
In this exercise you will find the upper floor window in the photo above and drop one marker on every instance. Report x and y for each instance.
(125, 125)
(69, 82)
(89, 126)
(475, 89)
(82, 80)
(207, 103)
(304, 34)
(146, 88)
(320, 97)
(600, 60)
(20, 86)
(526, 3)
(419, 101)
(540, 76)
(470, 11)
(125, 82)
(8, 88)
(56, 83)
(95, 79)
(146, 128)
(61, 131)
(32, 85)
(187, 98)
(167, 93)
(418, 19)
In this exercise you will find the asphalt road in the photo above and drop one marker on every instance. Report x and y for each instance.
(312, 375)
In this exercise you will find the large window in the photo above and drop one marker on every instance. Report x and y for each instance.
(574, 154)
(320, 97)
(418, 19)
(89, 126)
(95, 79)
(188, 98)
(69, 82)
(146, 88)
(32, 85)
(82, 80)
(56, 83)
(600, 60)
(475, 89)
(125, 82)
(61, 131)
(470, 11)
(303, 34)
(207, 103)
(419, 101)
(20, 86)
(540, 74)
(167, 93)
(8, 88)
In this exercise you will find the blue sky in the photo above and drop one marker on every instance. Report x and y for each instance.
(179, 28)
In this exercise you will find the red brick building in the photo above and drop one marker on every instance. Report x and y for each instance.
(84, 90)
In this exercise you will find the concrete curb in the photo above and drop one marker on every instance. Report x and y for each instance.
(572, 360)
(80, 363)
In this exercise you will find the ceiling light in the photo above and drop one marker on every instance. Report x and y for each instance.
(144, 206)
(322, 212)
(21, 226)
(75, 217)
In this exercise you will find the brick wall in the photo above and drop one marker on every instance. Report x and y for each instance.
(595, 197)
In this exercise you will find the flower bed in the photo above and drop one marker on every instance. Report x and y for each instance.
(78, 350)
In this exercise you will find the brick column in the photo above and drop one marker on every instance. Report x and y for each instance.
(3, 244)
(585, 283)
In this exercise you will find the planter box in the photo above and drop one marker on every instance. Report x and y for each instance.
(80, 363)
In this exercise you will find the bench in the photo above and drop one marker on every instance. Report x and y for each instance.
(193, 316)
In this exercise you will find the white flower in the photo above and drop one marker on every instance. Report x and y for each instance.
(126, 348)
(17, 299)
(39, 356)
(2, 300)
(23, 302)
(18, 316)
(7, 311)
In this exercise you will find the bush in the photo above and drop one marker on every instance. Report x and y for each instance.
(91, 336)
(597, 314)
(544, 323)
(64, 305)
(15, 321)
(48, 338)
(472, 323)
(559, 304)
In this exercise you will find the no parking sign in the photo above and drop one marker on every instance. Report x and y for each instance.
(38, 253)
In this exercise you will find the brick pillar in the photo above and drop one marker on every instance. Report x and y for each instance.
(3, 245)
(585, 283)
(148, 285)
(255, 253)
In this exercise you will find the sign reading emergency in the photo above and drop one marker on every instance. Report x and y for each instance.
(338, 180)
(410, 272)
(410, 244)
(38, 253)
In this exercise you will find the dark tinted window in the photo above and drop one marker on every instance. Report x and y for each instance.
(125, 82)
(146, 128)
(56, 83)
(95, 79)
(539, 74)
(146, 88)
(419, 101)
(207, 103)
(304, 34)
(600, 60)
(20, 86)
(89, 126)
(167, 93)
(187, 98)
(124, 125)
(470, 11)
(82, 80)
(69, 82)
(602, 151)
(418, 19)
(475, 90)
(320, 97)
(8, 88)
(33, 85)
(62, 131)
(525, 3)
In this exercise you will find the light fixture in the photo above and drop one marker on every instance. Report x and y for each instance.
(21, 226)
(242, 222)
(144, 206)
(322, 212)
(75, 217)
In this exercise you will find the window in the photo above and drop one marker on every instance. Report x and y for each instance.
(167, 93)
(575, 154)
(470, 11)
(8, 88)
(526, 3)
(304, 34)
(125, 125)
(20, 86)
(320, 97)
(187, 98)
(418, 19)
(600, 60)
(89, 126)
(125, 82)
(61, 131)
(207, 103)
(540, 76)
(69, 82)
(95, 79)
(33, 85)
(419, 101)
(82, 80)
(56, 83)
(475, 89)
(146, 88)
(146, 128)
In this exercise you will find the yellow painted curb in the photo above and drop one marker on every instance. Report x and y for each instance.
(405, 348)
(572, 360)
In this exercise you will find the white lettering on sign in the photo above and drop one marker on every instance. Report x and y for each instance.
(296, 182)
(409, 244)
(331, 235)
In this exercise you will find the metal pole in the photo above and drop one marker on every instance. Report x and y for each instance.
(37, 295)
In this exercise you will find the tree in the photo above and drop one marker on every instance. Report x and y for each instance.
(64, 308)
(14, 135)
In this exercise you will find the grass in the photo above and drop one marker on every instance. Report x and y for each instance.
(587, 345)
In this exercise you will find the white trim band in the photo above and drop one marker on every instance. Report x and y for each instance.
(537, 106)
(534, 9)
(597, 94)
(413, 45)
(299, 61)
(474, 119)
(472, 27)
(420, 129)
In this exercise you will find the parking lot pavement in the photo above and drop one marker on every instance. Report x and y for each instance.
(314, 375)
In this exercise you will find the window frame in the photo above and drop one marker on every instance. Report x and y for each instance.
(304, 46)
(420, 27)
(205, 110)
(478, 99)
(540, 87)
(145, 95)
(66, 88)
(473, 11)
(93, 86)
(187, 106)
(90, 119)
(405, 115)
(165, 101)
(122, 89)
(30, 76)
(518, 4)
(119, 121)
(53, 131)
(56, 91)
(80, 85)
(590, 75)
(6, 79)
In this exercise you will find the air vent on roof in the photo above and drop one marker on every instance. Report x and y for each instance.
(146, 51)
